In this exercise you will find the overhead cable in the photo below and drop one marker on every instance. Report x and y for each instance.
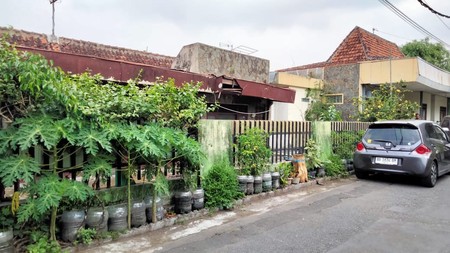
(411, 22)
(432, 10)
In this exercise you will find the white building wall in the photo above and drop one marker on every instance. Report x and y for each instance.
(433, 102)
(286, 111)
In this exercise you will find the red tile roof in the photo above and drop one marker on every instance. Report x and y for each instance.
(41, 41)
(359, 45)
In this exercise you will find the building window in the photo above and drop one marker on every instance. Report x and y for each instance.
(334, 98)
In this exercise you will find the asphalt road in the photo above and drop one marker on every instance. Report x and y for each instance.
(381, 214)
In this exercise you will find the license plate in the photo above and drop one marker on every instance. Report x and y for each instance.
(386, 161)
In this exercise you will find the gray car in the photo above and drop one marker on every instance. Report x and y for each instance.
(407, 147)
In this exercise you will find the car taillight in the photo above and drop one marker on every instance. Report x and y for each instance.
(422, 150)
(359, 146)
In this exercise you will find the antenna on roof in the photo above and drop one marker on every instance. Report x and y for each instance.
(226, 45)
(52, 2)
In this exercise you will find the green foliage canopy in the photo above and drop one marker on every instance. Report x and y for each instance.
(434, 53)
(65, 114)
(387, 103)
(220, 185)
(318, 109)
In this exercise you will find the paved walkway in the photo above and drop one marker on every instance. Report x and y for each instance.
(146, 237)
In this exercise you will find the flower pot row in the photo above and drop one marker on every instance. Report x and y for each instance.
(257, 184)
(110, 218)
(186, 201)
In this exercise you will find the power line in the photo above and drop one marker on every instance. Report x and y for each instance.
(442, 21)
(432, 10)
(411, 22)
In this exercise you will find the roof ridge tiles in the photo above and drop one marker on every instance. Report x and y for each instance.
(77, 46)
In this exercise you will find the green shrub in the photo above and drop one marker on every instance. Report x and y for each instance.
(344, 143)
(285, 169)
(253, 155)
(86, 235)
(41, 243)
(221, 185)
(335, 167)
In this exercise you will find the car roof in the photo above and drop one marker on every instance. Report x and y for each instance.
(414, 122)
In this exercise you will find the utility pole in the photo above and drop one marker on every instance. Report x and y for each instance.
(52, 2)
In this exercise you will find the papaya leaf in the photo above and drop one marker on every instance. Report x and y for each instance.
(46, 201)
(76, 191)
(6, 139)
(35, 129)
(91, 139)
(16, 167)
(28, 211)
(98, 165)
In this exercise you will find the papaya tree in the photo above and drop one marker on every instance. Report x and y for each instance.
(39, 102)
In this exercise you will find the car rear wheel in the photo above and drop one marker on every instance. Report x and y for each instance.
(430, 180)
(360, 174)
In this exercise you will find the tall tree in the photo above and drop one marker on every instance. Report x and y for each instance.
(434, 53)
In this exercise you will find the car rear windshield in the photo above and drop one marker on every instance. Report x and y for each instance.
(397, 134)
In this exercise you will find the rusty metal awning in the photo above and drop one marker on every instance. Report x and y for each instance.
(123, 71)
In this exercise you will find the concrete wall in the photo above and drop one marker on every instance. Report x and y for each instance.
(343, 79)
(205, 59)
(215, 136)
(378, 72)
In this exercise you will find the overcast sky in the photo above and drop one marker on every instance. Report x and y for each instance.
(286, 32)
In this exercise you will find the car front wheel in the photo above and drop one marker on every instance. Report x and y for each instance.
(430, 180)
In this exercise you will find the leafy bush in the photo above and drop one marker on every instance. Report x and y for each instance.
(41, 243)
(312, 155)
(253, 155)
(344, 143)
(386, 103)
(221, 185)
(335, 167)
(86, 235)
(285, 169)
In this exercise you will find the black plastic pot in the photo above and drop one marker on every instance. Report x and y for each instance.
(149, 211)
(6, 241)
(183, 202)
(138, 217)
(258, 184)
(97, 218)
(71, 222)
(198, 199)
(117, 217)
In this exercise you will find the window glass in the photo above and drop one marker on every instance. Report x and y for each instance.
(429, 129)
(397, 134)
(440, 135)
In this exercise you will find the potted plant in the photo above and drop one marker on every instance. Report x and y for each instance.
(312, 156)
(285, 169)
